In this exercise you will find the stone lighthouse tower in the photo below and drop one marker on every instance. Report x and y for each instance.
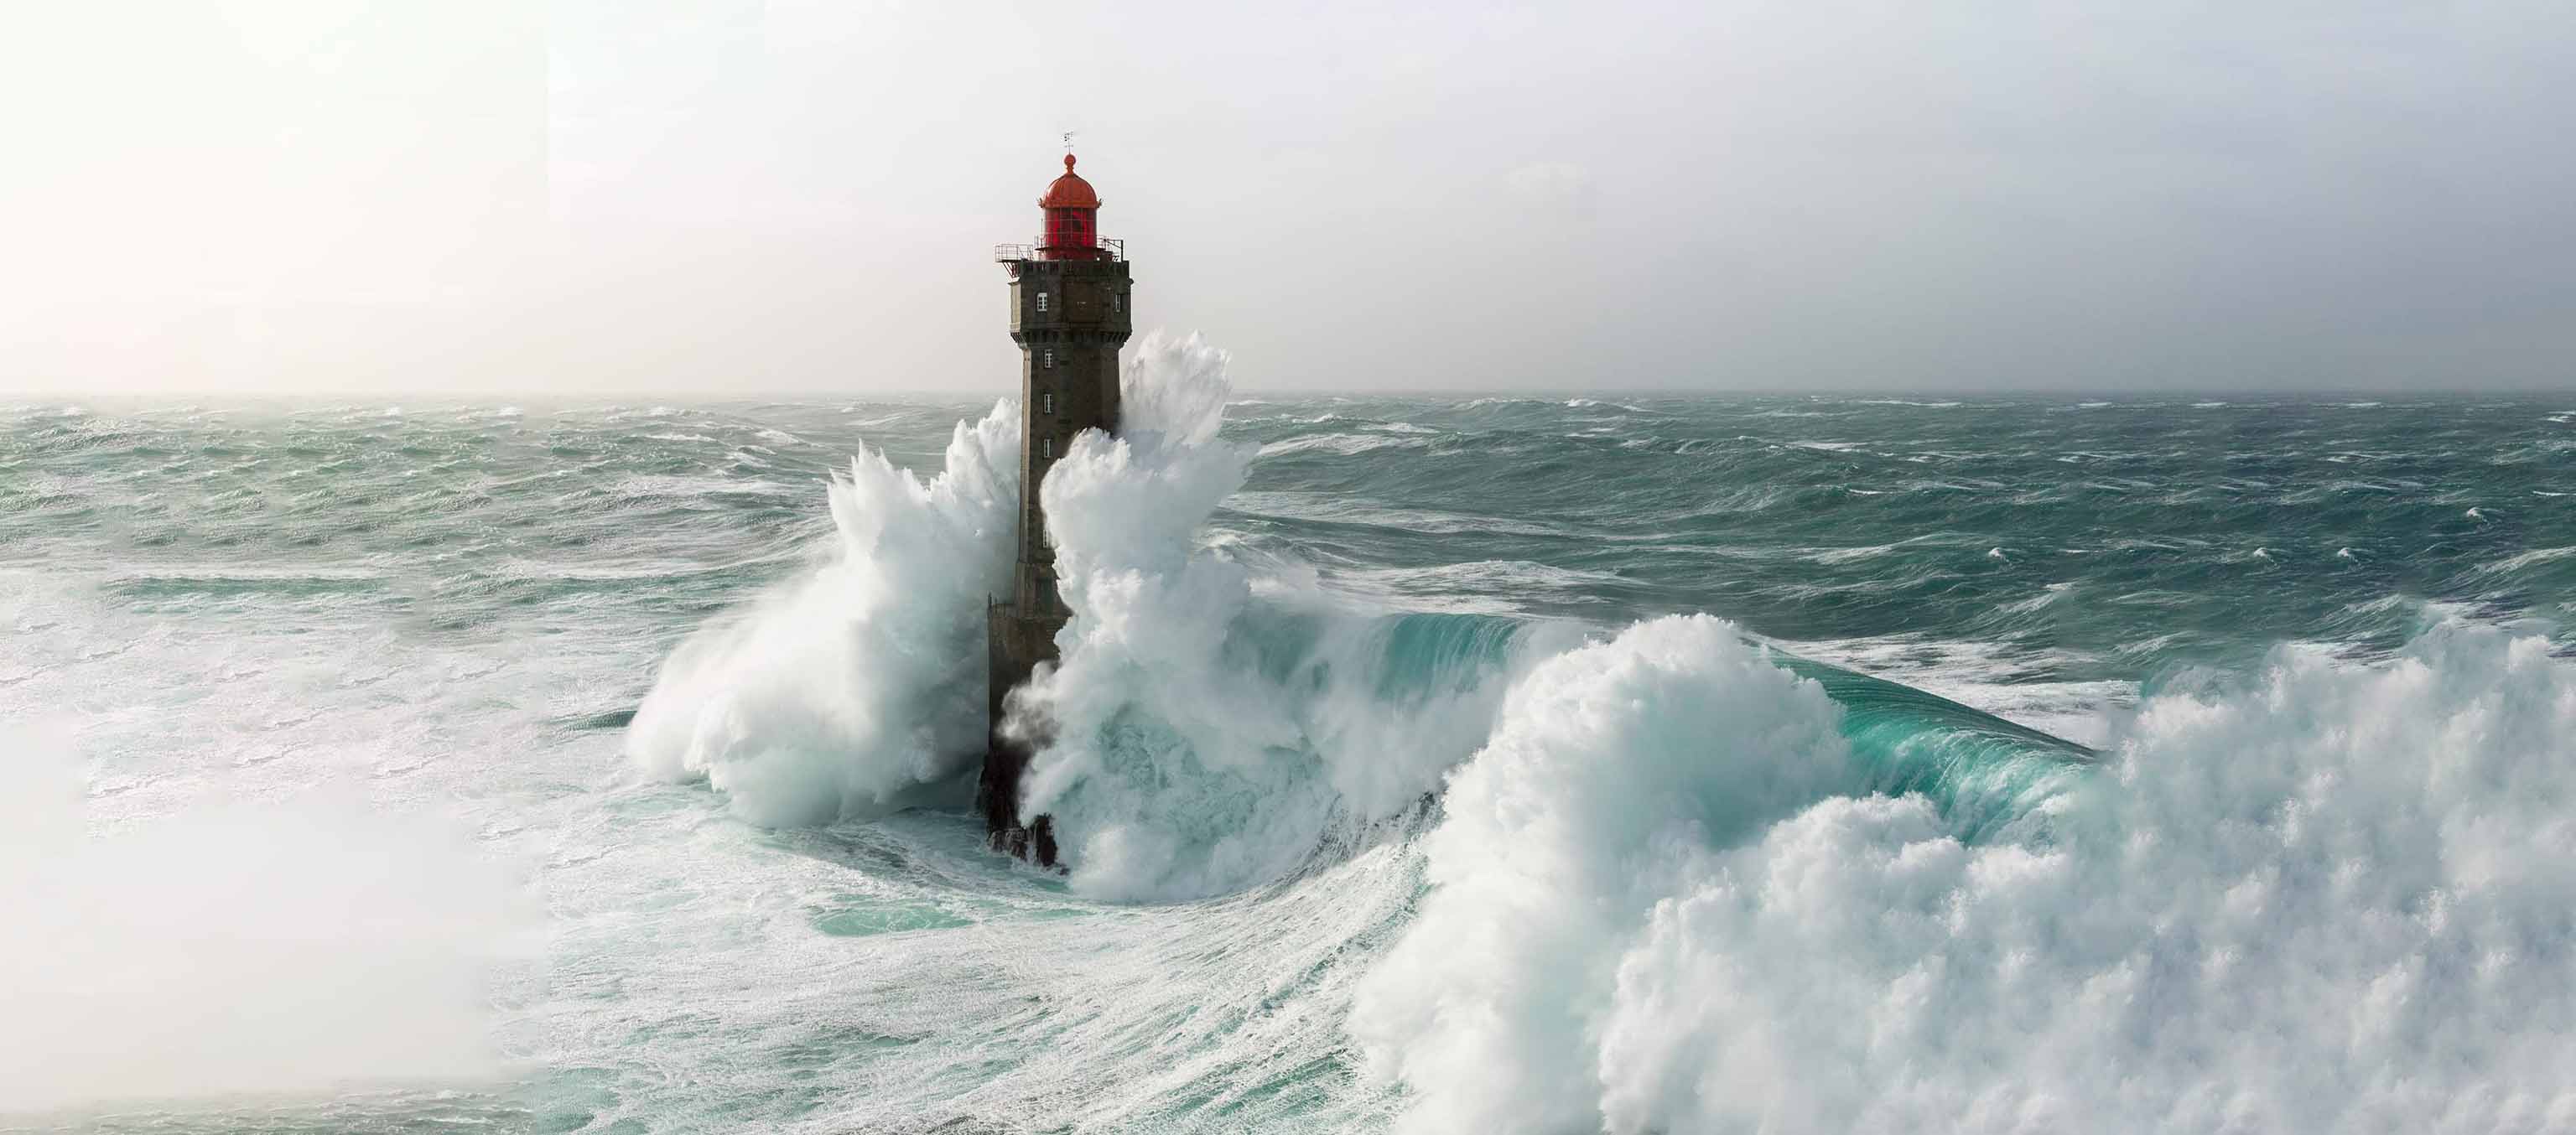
(1070, 311)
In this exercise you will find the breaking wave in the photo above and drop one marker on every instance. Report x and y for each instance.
(1673, 879)
(2335, 899)
(1215, 722)
(855, 688)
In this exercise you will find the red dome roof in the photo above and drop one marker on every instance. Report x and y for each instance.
(1069, 191)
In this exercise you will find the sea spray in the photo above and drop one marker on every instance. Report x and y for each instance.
(856, 686)
(1202, 739)
(1203, 734)
(2336, 899)
(1218, 720)
(456, 609)
(1609, 764)
(303, 944)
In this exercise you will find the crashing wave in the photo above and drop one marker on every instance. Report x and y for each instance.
(857, 687)
(1213, 724)
(1668, 879)
(2337, 899)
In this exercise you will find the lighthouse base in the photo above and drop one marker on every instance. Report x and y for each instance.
(997, 797)
(1016, 642)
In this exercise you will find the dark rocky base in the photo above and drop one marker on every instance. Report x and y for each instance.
(997, 796)
(1034, 843)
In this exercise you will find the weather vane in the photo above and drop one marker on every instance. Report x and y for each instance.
(1068, 141)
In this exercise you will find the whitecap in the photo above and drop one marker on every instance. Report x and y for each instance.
(849, 689)
(1346, 445)
(669, 486)
(1637, 922)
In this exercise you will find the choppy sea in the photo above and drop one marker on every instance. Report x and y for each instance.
(1422, 764)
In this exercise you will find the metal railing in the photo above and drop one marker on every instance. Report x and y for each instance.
(1005, 253)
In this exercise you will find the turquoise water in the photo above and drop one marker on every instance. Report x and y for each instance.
(2053, 678)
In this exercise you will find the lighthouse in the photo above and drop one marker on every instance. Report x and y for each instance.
(1070, 312)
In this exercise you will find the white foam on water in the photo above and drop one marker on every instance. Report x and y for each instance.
(852, 688)
(1658, 895)
(1484, 586)
(1178, 764)
(293, 946)
(1345, 445)
(2333, 899)
(1344, 510)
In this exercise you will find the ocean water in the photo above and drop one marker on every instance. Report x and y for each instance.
(1422, 764)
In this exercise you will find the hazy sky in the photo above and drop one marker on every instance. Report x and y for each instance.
(731, 196)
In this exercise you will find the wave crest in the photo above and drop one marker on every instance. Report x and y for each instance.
(1203, 740)
(854, 688)
(2335, 898)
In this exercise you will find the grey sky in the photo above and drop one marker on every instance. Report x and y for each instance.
(729, 196)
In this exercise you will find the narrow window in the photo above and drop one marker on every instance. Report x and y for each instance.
(1042, 303)
(1048, 359)
(1117, 302)
(1046, 448)
(1049, 399)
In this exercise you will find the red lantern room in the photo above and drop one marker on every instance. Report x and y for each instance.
(1072, 218)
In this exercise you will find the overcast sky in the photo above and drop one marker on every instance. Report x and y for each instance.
(725, 197)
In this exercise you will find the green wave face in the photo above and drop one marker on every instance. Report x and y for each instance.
(1986, 774)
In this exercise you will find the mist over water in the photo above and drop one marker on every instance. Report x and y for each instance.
(1421, 765)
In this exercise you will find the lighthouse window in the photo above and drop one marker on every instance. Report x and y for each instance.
(1046, 448)
(1042, 301)
(1049, 399)
(1049, 359)
(1117, 302)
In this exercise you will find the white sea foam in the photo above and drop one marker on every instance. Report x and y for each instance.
(849, 689)
(2333, 900)
(2323, 902)
(1195, 741)
(1610, 763)
(1346, 445)
(1662, 898)
(1343, 510)
(1477, 585)
(242, 947)
(681, 487)
(1854, 555)
(1180, 764)
(2523, 560)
